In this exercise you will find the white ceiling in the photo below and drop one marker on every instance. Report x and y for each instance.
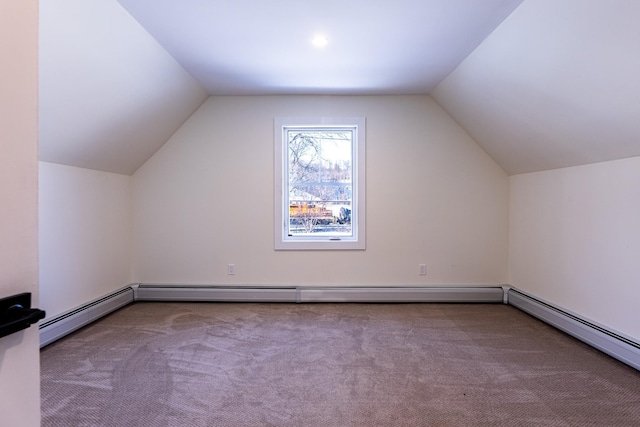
(110, 95)
(556, 85)
(375, 47)
(540, 84)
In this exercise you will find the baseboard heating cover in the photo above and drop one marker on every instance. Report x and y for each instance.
(59, 326)
(611, 343)
(163, 292)
(407, 294)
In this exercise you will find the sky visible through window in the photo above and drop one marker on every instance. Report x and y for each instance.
(320, 193)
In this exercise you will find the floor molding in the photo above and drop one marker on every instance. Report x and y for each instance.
(457, 294)
(304, 294)
(164, 292)
(70, 321)
(605, 340)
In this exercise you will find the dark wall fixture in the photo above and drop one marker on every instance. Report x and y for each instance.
(16, 314)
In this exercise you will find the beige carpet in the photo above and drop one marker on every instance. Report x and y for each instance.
(205, 364)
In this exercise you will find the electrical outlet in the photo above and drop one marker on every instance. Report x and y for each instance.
(231, 269)
(423, 269)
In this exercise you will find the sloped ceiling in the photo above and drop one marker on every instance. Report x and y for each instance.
(540, 84)
(112, 92)
(110, 95)
(374, 47)
(557, 84)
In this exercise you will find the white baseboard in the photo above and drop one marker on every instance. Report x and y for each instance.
(605, 340)
(59, 326)
(467, 294)
(164, 292)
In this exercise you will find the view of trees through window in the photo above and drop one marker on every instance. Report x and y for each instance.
(320, 181)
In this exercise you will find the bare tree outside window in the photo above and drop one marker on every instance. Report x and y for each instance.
(320, 181)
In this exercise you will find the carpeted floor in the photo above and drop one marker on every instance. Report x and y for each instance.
(208, 364)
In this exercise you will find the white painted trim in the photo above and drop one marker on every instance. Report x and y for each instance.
(355, 242)
(164, 292)
(403, 294)
(301, 294)
(72, 320)
(505, 290)
(612, 343)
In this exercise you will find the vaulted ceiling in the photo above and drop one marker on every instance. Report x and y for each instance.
(540, 84)
(556, 84)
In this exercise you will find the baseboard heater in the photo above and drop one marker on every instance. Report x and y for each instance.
(164, 292)
(59, 326)
(469, 294)
(611, 343)
(443, 294)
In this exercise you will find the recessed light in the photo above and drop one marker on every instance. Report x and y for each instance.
(319, 41)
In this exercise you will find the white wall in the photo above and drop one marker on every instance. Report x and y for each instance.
(85, 230)
(19, 355)
(433, 196)
(575, 240)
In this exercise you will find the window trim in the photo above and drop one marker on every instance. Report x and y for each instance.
(284, 242)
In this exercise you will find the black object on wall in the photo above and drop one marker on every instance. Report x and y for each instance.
(16, 314)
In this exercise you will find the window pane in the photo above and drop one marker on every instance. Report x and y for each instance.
(320, 181)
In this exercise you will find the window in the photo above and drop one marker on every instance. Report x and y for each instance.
(319, 183)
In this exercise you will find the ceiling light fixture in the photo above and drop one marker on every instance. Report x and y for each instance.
(319, 41)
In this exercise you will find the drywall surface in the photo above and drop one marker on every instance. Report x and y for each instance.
(575, 240)
(206, 199)
(110, 95)
(85, 218)
(19, 352)
(555, 85)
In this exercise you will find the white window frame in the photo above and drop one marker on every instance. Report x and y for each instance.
(283, 241)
